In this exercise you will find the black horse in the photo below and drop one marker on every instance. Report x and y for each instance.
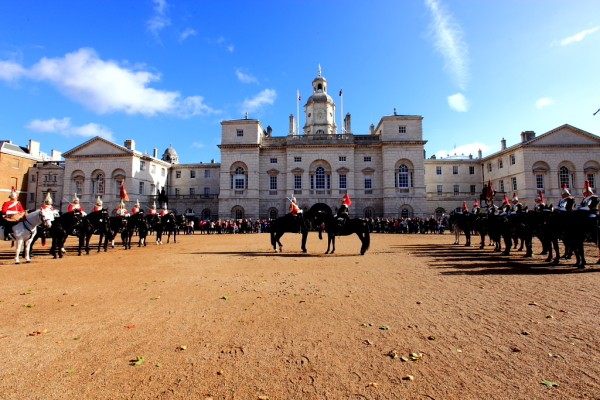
(67, 224)
(288, 223)
(94, 223)
(323, 218)
(155, 225)
(168, 225)
(119, 225)
(137, 222)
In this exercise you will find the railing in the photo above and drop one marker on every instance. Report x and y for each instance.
(185, 196)
(46, 183)
(320, 139)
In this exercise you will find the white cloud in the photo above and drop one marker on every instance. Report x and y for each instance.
(458, 102)
(578, 37)
(64, 127)
(267, 96)
(105, 86)
(448, 41)
(196, 144)
(159, 20)
(186, 33)
(245, 78)
(464, 150)
(230, 48)
(545, 101)
(10, 70)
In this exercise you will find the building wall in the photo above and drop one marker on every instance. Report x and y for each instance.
(13, 172)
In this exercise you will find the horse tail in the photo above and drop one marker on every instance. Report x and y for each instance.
(321, 229)
(43, 240)
(367, 242)
(272, 232)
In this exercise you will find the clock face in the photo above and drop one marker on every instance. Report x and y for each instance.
(320, 113)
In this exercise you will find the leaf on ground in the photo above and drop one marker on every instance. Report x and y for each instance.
(158, 365)
(28, 305)
(554, 355)
(404, 359)
(367, 324)
(77, 338)
(393, 354)
(129, 326)
(431, 337)
(416, 356)
(548, 383)
(296, 294)
(225, 298)
(525, 333)
(549, 316)
(74, 305)
(155, 298)
(458, 350)
(372, 384)
(384, 327)
(181, 348)
(69, 371)
(138, 360)
(408, 378)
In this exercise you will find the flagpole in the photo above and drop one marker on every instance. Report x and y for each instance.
(343, 130)
(297, 112)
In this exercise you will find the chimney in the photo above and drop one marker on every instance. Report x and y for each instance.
(269, 130)
(292, 125)
(56, 155)
(470, 156)
(479, 154)
(526, 136)
(503, 144)
(212, 160)
(347, 120)
(34, 148)
(372, 129)
(130, 144)
(155, 153)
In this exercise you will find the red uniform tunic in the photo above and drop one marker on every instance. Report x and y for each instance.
(135, 210)
(47, 207)
(164, 212)
(12, 207)
(97, 208)
(73, 207)
(121, 212)
(152, 211)
(294, 209)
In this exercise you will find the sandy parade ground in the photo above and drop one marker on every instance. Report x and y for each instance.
(224, 317)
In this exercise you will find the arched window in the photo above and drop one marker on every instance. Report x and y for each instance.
(320, 178)
(439, 213)
(98, 184)
(563, 176)
(273, 213)
(368, 213)
(320, 132)
(206, 214)
(238, 214)
(239, 179)
(405, 213)
(403, 181)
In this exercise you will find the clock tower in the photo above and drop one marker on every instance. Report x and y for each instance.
(319, 110)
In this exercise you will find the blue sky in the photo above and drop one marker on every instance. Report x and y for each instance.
(162, 72)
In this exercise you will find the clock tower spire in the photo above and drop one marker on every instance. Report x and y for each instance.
(319, 109)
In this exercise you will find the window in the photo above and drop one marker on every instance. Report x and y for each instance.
(404, 213)
(489, 167)
(368, 182)
(455, 170)
(142, 166)
(342, 159)
(162, 172)
(456, 189)
(403, 176)
(78, 186)
(438, 170)
(238, 214)
(471, 170)
(472, 188)
(402, 129)
(512, 159)
(152, 169)
(342, 181)
(152, 188)
(563, 177)
(239, 132)
(176, 192)
(207, 173)
(590, 178)
(514, 182)
(273, 161)
(206, 190)
(502, 186)
(297, 159)
(177, 174)
(141, 188)
(272, 182)
(439, 189)
(192, 191)
(239, 179)
(273, 213)
(98, 184)
(32, 178)
(500, 164)
(320, 178)
(31, 196)
(297, 182)
(368, 213)
(367, 159)
(539, 181)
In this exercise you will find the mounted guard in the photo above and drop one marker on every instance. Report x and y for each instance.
(75, 206)
(136, 208)
(153, 210)
(164, 210)
(47, 205)
(539, 202)
(590, 200)
(565, 198)
(12, 212)
(516, 205)
(121, 211)
(343, 213)
(98, 206)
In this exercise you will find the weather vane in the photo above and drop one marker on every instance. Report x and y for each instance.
(319, 69)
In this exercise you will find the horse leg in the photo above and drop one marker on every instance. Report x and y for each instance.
(468, 238)
(332, 244)
(304, 236)
(18, 245)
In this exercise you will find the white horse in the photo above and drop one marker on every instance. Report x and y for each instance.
(25, 231)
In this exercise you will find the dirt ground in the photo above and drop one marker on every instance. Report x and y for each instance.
(223, 317)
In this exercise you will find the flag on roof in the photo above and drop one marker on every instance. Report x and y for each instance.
(123, 193)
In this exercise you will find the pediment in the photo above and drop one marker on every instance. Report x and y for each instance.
(368, 171)
(98, 146)
(297, 170)
(272, 171)
(565, 135)
(342, 170)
